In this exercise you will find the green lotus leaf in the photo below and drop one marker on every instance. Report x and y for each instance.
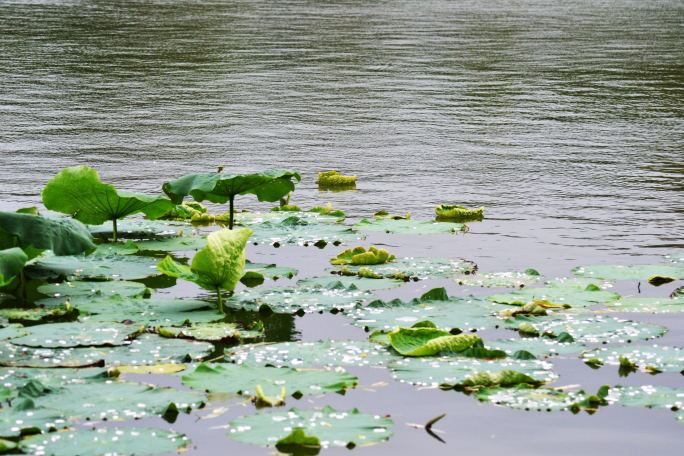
(64, 335)
(26, 417)
(456, 370)
(287, 208)
(90, 442)
(422, 268)
(333, 178)
(645, 357)
(291, 299)
(591, 328)
(359, 282)
(11, 331)
(78, 191)
(213, 332)
(385, 214)
(408, 226)
(678, 293)
(270, 271)
(269, 185)
(100, 267)
(241, 379)
(218, 266)
(524, 397)
(311, 217)
(455, 211)
(648, 305)
(80, 291)
(185, 211)
(298, 231)
(174, 244)
(34, 234)
(360, 256)
(315, 354)
(503, 379)
(333, 428)
(32, 315)
(328, 210)
(618, 272)
(537, 346)
(428, 341)
(33, 210)
(117, 248)
(646, 396)
(573, 296)
(676, 258)
(498, 279)
(12, 261)
(142, 229)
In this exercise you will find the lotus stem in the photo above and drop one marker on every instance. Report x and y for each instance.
(230, 223)
(220, 301)
(22, 280)
(114, 231)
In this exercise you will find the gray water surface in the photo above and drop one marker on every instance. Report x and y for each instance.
(564, 118)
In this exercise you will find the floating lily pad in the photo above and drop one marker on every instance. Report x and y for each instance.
(538, 346)
(79, 291)
(296, 231)
(291, 299)
(105, 267)
(648, 305)
(241, 378)
(580, 282)
(12, 331)
(174, 244)
(640, 272)
(455, 370)
(215, 331)
(87, 442)
(408, 226)
(269, 271)
(117, 248)
(646, 396)
(275, 217)
(422, 268)
(16, 379)
(313, 354)
(331, 427)
(361, 283)
(141, 229)
(573, 296)
(542, 399)
(27, 417)
(677, 258)
(36, 314)
(646, 357)
(592, 328)
(63, 335)
(499, 279)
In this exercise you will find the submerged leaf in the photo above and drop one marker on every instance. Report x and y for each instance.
(299, 231)
(62, 335)
(360, 256)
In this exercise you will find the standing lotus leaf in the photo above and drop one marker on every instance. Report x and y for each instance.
(269, 185)
(217, 266)
(360, 256)
(79, 192)
(333, 178)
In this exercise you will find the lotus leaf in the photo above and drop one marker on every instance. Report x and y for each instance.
(618, 272)
(87, 442)
(25, 416)
(333, 428)
(174, 244)
(456, 370)
(218, 266)
(12, 331)
(311, 217)
(78, 191)
(524, 397)
(328, 210)
(580, 282)
(297, 231)
(573, 296)
(422, 268)
(63, 335)
(34, 234)
(408, 226)
(270, 271)
(141, 229)
(185, 211)
(647, 358)
(360, 256)
(538, 346)
(455, 211)
(269, 185)
(314, 354)
(241, 379)
(385, 214)
(117, 248)
(499, 279)
(215, 331)
(677, 258)
(503, 379)
(12, 262)
(291, 299)
(101, 267)
(32, 315)
(78, 292)
(359, 282)
(428, 341)
(592, 328)
(648, 305)
(646, 396)
(333, 178)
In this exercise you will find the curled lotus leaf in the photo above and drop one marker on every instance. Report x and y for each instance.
(499, 279)
(138, 441)
(241, 379)
(31, 315)
(361, 283)
(648, 305)
(142, 229)
(62, 335)
(81, 291)
(100, 267)
(360, 256)
(185, 211)
(456, 370)
(572, 296)
(676, 258)
(315, 354)
(298, 231)
(456, 211)
(26, 416)
(333, 178)
(385, 214)
(618, 272)
(332, 428)
(648, 358)
(504, 379)
(421, 268)
(538, 346)
(34, 234)
(408, 226)
(12, 261)
(428, 341)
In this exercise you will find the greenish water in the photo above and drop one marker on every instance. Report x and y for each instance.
(563, 119)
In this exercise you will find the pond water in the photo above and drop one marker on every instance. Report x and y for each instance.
(564, 119)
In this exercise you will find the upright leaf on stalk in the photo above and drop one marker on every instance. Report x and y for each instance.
(218, 266)
(269, 185)
(12, 261)
(79, 192)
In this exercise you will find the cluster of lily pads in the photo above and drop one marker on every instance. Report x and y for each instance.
(77, 315)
